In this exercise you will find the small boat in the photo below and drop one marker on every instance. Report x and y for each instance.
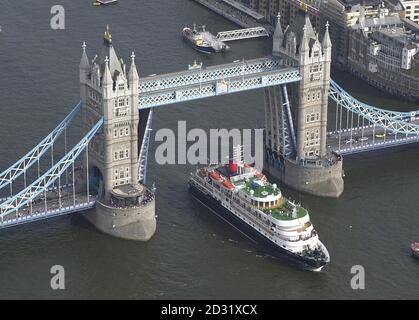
(203, 41)
(104, 2)
(415, 249)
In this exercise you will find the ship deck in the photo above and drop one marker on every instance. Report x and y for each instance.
(258, 191)
(285, 214)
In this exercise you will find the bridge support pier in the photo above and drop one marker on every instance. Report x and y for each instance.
(323, 179)
(137, 224)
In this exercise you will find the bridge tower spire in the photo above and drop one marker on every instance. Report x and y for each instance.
(108, 92)
(278, 36)
(296, 125)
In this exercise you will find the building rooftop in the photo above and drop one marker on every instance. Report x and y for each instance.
(396, 36)
(375, 22)
(297, 26)
(367, 3)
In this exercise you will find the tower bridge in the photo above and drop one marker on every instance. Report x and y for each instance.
(105, 172)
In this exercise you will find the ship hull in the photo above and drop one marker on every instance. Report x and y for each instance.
(272, 248)
(202, 49)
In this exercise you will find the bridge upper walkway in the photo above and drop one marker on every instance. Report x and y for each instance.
(198, 83)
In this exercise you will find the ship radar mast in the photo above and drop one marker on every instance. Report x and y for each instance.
(238, 154)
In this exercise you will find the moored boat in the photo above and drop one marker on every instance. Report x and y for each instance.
(104, 2)
(203, 41)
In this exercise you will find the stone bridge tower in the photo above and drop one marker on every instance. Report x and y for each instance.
(124, 207)
(296, 116)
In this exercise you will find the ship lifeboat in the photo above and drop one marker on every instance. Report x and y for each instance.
(227, 184)
(216, 177)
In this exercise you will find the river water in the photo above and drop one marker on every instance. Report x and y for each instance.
(193, 254)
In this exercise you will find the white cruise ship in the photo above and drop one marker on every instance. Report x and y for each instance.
(242, 195)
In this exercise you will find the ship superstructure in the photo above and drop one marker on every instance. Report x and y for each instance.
(242, 195)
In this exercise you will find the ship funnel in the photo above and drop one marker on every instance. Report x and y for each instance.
(233, 167)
